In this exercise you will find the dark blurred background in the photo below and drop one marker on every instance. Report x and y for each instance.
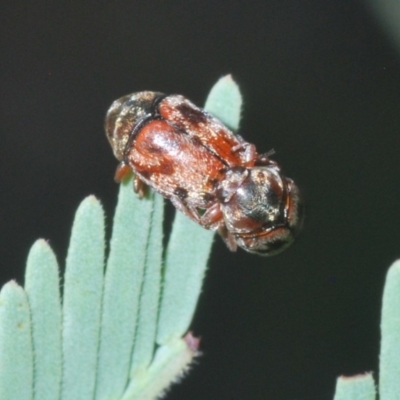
(321, 85)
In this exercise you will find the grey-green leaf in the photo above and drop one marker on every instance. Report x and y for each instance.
(225, 102)
(185, 269)
(170, 363)
(389, 382)
(16, 353)
(150, 294)
(359, 387)
(43, 289)
(123, 282)
(82, 301)
(186, 259)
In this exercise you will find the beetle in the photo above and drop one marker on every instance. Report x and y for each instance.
(209, 173)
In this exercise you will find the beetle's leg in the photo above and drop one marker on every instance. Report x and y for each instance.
(229, 239)
(122, 172)
(212, 218)
(139, 187)
(188, 211)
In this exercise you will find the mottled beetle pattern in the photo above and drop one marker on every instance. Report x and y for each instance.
(209, 173)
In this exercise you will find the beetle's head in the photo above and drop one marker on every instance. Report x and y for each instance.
(262, 208)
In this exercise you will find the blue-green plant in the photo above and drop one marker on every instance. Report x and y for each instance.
(120, 329)
(362, 387)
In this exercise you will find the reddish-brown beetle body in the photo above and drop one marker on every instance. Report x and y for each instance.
(209, 173)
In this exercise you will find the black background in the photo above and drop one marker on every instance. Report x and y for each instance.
(321, 85)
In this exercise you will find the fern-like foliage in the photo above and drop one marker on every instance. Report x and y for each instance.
(120, 331)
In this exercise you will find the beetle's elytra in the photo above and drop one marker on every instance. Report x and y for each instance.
(209, 173)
